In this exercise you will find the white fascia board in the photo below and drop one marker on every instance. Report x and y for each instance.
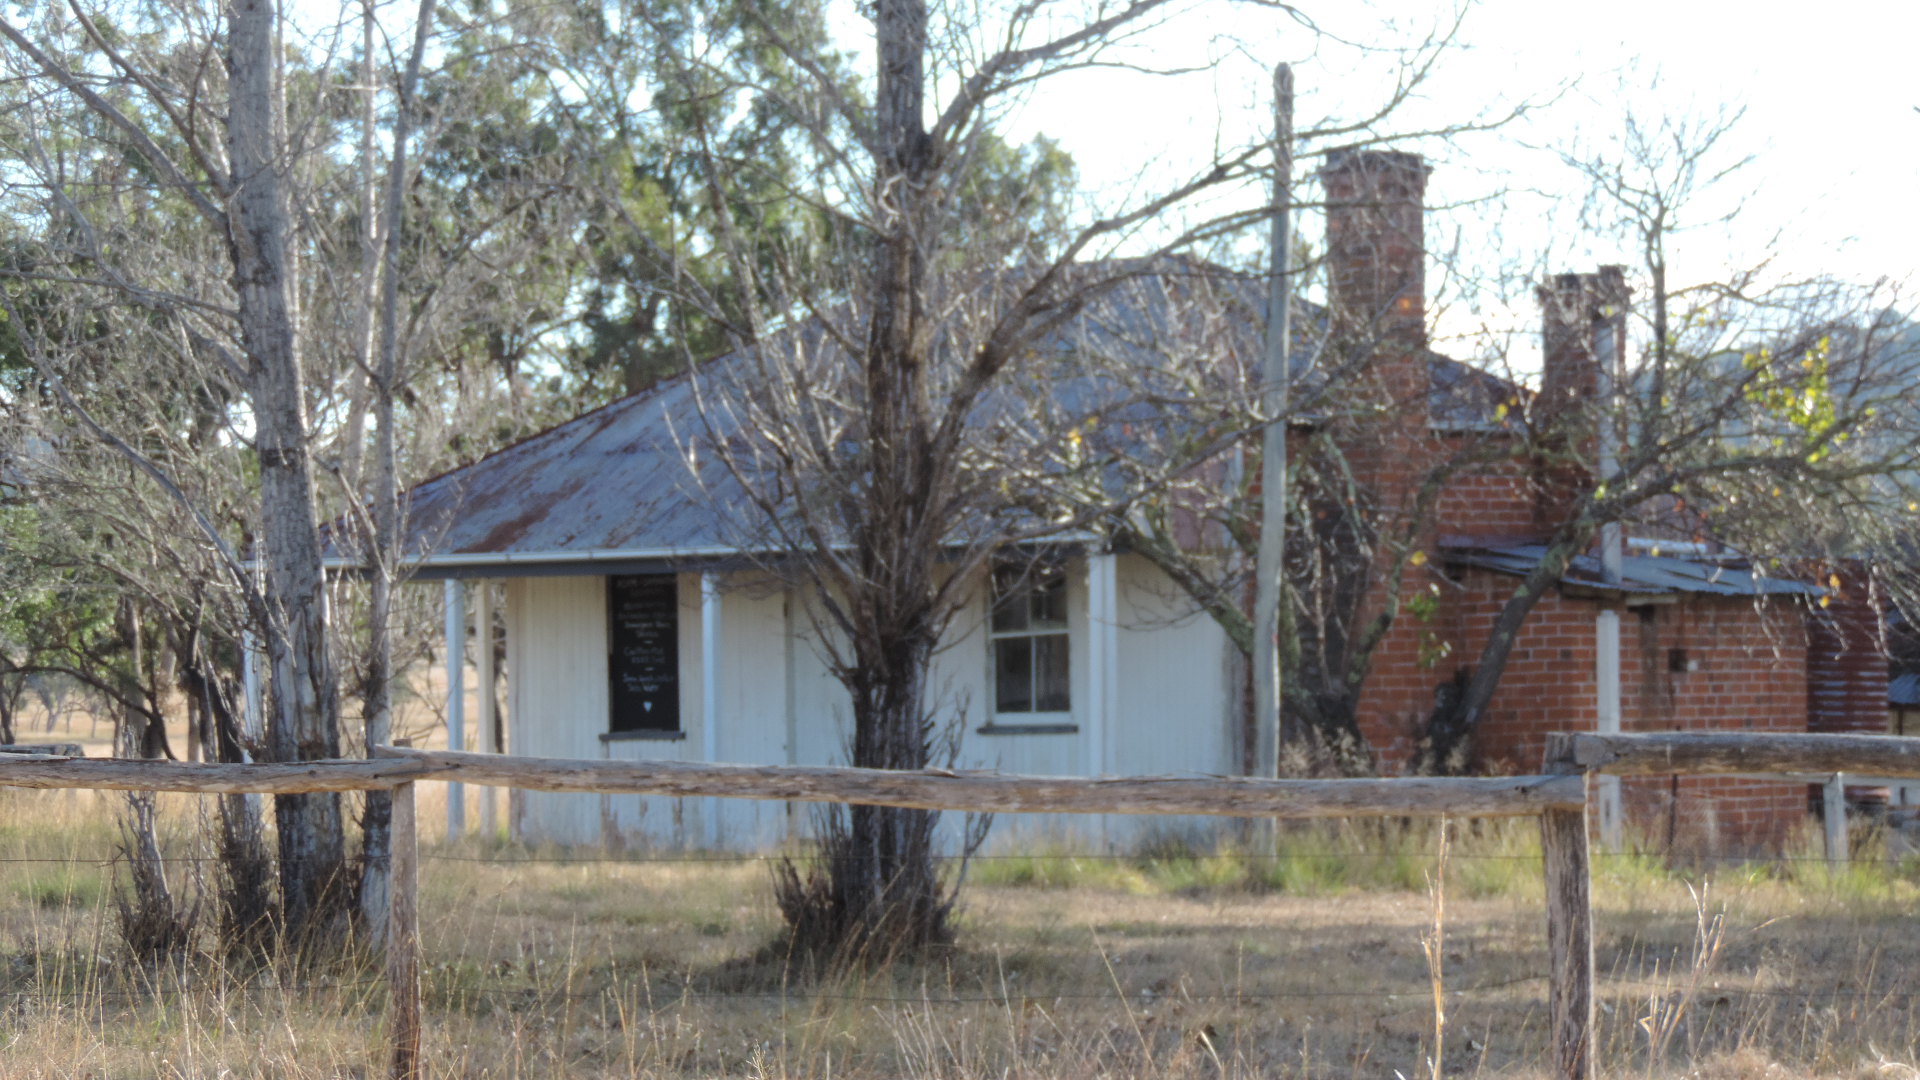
(515, 558)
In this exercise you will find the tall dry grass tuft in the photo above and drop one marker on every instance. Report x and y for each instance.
(1434, 945)
(156, 921)
(1666, 1010)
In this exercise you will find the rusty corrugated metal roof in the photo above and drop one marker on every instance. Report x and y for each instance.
(622, 480)
(626, 483)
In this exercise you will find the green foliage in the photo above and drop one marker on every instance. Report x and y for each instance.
(1803, 401)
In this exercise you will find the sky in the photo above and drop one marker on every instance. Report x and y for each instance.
(1828, 93)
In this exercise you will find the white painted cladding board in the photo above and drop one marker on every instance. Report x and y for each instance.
(753, 690)
(1169, 712)
(557, 664)
(1174, 712)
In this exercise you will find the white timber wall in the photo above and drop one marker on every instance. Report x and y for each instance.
(1163, 707)
(557, 685)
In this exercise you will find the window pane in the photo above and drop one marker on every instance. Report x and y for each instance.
(1013, 675)
(1050, 673)
(1050, 602)
(1009, 601)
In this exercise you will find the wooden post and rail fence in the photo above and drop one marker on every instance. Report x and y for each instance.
(1558, 797)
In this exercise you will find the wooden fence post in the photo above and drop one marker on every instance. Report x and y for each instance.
(1833, 815)
(1570, 998)
(403, 937)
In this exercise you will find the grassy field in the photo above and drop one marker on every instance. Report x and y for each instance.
(548, 963)
(581, 964)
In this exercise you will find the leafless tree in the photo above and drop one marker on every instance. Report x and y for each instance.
(900, 401)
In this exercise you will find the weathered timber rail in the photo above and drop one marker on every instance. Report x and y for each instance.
(206, 778)
(1557, 798)
(930, 789)
(1727, 753)
(992, 792)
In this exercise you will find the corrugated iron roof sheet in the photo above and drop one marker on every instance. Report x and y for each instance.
(1904, 690)
(1641, 574)
(628, 480)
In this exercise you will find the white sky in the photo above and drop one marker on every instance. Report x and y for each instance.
(1829, 91)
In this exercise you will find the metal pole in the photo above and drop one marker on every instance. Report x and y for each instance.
(489, 716)
(1833, 813)
(710, 691)
(1103, 622)
(456, 594)
(1275, 376)
(1606, 356)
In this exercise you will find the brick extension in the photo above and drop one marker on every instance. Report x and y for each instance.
(1689, 661)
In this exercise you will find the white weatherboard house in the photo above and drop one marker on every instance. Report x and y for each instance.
(638, 628)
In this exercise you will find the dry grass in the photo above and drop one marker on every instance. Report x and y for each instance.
(1167, 964)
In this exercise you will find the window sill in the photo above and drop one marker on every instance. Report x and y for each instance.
(642, 736)
(1028, 729)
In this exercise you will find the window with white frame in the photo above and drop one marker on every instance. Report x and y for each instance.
(1028, 637)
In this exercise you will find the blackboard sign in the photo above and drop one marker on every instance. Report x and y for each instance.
(643, 652)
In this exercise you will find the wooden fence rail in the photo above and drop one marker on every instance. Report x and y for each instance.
(993, 792)
(930, 789)
(1729, 753)
(1558, 799)
(205, 778)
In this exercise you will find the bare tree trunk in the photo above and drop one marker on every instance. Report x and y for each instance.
(881, 894)
(9, 698)
(378, 821)
(151, 923)
(887, 887)
(246, 895)
(360, 378)
(1455, 717)
(304, 721)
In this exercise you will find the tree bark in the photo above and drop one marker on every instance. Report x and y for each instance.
(8, 697)
(304, 720)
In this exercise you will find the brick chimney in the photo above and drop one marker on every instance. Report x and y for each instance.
(1376, 249)
(1376, 292)
(1576, 310)
(1582, 329)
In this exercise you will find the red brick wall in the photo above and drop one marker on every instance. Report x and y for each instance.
(1745, 670)
(1548, 685)
(1493, 500)
(1398, 693)
(1742, 668)
(1710, 814)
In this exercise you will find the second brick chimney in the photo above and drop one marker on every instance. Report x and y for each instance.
(1583, 328)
